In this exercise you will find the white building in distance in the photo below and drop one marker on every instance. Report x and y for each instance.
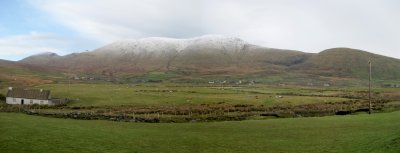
(18, 96)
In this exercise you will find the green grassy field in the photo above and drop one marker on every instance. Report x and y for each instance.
(354, 133)
(174, 94)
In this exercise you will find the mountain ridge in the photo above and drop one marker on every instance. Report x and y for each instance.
(216, 55)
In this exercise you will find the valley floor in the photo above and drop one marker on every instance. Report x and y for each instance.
(166, 102)
(353, 133)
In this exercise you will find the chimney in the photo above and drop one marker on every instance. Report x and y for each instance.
(10, 88)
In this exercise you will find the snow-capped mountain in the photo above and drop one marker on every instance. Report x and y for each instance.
(209, 53)
(160, 44)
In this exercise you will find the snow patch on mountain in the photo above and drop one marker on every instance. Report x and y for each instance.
(161, 44)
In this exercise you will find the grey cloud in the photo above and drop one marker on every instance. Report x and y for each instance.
(31, 43)
(308, 25)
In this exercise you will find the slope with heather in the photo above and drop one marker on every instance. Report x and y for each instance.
(207, 54)
(346, 62)
(218, 57)
(20, 74)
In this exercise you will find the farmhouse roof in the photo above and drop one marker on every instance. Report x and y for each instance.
(29, 93)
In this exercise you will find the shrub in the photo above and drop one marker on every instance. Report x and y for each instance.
(2, 97)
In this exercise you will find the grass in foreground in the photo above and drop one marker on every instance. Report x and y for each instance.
(354, 133)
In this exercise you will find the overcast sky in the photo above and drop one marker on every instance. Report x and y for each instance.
(64, 26)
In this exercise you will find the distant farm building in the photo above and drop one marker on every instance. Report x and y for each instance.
(391, 85)
(18, 96)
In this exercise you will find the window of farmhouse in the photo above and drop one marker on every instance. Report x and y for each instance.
(31, 101)
(41, 102)
(14, 100)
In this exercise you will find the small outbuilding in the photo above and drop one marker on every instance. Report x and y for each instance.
(18, 96)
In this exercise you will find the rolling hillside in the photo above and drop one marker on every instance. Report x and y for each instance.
(19, 74)
(346, 62)
(213, 55)
(203, 55)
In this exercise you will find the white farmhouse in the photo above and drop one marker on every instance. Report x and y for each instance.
(20, 96)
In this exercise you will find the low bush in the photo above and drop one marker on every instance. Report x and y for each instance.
(2, 97)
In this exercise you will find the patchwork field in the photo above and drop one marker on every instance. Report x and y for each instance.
(181, 94)
(167, 102)
(354, 133)
(267, 119)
